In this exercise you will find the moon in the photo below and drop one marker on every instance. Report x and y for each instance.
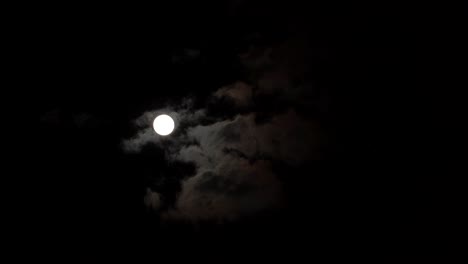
(163, 125)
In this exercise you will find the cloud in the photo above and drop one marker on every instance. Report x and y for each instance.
(239, 93)
(234, 175)
(185, 56)
(234, 156)
(152, 199)
(277, 69)
(51, 117)
(235, 187)
(183, 115)
(286, 137)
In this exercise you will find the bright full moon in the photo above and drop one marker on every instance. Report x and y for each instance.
(163, 125)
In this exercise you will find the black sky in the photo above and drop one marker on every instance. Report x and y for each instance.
(355, 169)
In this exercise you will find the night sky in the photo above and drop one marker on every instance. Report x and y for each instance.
(297, 126)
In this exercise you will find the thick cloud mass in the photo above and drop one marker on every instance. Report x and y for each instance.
(234, 156)
(232, 188)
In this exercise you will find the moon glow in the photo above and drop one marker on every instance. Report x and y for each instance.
(163, 125)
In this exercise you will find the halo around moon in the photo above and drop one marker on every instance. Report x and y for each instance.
(163, 125)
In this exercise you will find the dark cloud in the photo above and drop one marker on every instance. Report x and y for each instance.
(78, 120)
(234, 187)
(86, 120)
(51, 117)
(279, 68)
(185, 56)
(152, 199)
(239, 93)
